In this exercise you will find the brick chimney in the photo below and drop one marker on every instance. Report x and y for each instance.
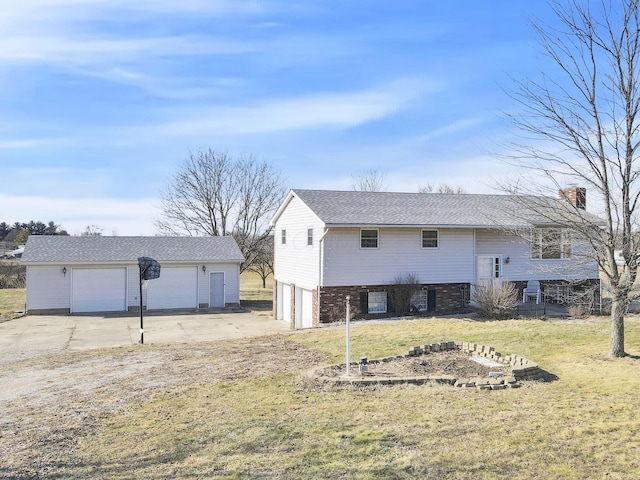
(577, 196)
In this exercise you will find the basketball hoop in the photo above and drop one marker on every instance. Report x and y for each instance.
(145, 284)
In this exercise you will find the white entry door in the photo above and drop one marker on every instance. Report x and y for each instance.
(216, 289)
(488, 268)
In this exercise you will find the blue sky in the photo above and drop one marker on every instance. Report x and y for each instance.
(102, 100)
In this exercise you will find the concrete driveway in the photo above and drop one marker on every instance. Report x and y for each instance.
(36, 334)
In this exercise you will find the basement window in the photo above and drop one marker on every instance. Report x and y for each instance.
(377, 302)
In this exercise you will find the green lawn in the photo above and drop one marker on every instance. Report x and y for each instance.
(274, 425)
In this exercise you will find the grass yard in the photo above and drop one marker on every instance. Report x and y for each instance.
(11, 300)
(242, 410)
(251, 287)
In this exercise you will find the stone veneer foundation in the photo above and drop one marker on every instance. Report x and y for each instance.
(521, 369)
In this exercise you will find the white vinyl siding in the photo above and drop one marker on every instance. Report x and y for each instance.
(399, 251)
(522, 267)
(298, 262)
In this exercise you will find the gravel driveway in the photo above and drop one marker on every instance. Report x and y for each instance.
(57, 385)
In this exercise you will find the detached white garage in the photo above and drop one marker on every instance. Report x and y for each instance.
(101, 274)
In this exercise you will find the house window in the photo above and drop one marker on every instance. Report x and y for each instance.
(429, 239)
(550, 244)
(284, 236)
(377, 302)
(419, 300)
(309, 236)
(368, 238)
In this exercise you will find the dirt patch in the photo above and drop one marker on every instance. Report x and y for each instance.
(454, 363)
(52, 403)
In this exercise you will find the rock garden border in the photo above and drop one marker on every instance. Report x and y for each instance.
(521, 369)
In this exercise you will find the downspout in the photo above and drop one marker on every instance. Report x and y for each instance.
(320, 271)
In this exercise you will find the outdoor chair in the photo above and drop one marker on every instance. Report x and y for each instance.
(532, 290)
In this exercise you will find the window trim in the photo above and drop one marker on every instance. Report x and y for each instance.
(421, 292)
(566, 242)
(309, 236)
(283, 236)
(369, 302)
(437, 238)
(377, 230)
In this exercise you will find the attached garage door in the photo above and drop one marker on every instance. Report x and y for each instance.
(98, 290)
(286, 303)
(177, 287)
(304, 308)
(307, 309)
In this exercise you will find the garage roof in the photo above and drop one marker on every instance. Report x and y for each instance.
(99, 249)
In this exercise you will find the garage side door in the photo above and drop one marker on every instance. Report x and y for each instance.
(177, 287)
(98, 290)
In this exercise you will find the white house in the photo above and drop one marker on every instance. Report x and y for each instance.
(330, 244)
(101, 274)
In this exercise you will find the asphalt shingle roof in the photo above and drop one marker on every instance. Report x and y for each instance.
(66, 249)
(343, 208)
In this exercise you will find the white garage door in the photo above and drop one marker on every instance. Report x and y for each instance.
(98, 290)
(177, 287)
(286, 302)
(307, 309)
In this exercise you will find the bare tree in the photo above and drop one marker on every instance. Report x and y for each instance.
(263, 262)
(369, 181)
(442, 188)
(581, 125)
(402, 289)
(215, 194)
(92, 231)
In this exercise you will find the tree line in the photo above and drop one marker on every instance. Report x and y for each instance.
(17, 233)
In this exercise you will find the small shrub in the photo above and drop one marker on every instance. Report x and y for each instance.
(577, 311)
(12, 275)
(402, 290)
(495, 299)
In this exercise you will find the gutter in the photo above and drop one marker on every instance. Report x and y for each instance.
(320, 271)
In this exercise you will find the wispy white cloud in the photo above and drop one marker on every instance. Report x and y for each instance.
(126, 217)
(17, 16)
(452, 128)
(326, 110)
(91, 50)
(30, 143)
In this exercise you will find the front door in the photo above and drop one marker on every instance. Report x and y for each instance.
(488, 268)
